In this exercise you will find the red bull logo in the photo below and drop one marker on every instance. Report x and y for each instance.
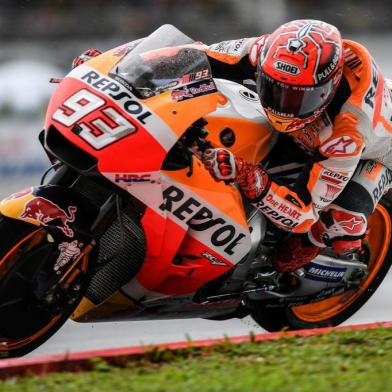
(45, 211)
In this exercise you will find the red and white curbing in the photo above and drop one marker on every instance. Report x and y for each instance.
(82, 360)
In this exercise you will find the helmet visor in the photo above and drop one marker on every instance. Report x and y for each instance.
(288, 100)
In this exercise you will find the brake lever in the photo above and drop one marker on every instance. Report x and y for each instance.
(197, 144)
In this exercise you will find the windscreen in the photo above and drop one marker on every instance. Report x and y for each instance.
(152, 69)
(164, 37)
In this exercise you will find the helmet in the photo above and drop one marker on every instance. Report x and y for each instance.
(298, 72)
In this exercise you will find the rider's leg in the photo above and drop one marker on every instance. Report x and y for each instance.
(343, 224)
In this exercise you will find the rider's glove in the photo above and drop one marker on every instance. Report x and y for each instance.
(224, 166)
(85, 56)
(220, 163)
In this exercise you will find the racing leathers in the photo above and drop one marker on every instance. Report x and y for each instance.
(348, 149)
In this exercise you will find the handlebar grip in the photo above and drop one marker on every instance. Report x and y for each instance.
(203, 145)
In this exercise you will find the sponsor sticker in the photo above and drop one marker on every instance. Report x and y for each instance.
(352, 225)
(324, 273)
(229, 47)
(291, 212)
(371, 93)
(44, 211)
(383, 184)
(129, 178)
(343, 145)
(114, 90)
(324, 74)
(249, 95)
(218, 231)
(280, 218)
(280, 114)
(236, 45)
(213, 260)
(69, 251)
(168, 86)
(194, 90)
(221, 47)
(287, 68)
(334, 178)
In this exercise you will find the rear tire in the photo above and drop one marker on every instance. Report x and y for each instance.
(34, 301)
(335, 310)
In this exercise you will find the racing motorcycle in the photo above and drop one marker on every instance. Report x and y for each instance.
(131, 226)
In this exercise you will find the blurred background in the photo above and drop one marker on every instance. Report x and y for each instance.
(39, 39)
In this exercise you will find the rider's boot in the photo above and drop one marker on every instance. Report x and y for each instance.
(299, 250)
(294, 253)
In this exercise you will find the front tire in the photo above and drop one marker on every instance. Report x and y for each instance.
(335, 310)
(35, 301)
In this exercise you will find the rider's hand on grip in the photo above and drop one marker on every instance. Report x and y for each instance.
(220, 163)
(224, 166)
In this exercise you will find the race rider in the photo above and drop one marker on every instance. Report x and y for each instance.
(328, 96)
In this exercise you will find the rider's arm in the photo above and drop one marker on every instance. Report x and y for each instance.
(297, 208)
(321, 181)
(235, 59)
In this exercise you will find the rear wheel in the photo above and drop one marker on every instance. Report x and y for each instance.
(35, 301)
(335, 310)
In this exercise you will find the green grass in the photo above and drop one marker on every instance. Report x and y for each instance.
(358, 361)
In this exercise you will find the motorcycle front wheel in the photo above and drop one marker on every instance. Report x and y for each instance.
(337, 309)
(35, 300)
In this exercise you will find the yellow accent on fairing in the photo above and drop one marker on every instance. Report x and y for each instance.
(81, 312)
(252, 139)
(87, 311)
(14, 208)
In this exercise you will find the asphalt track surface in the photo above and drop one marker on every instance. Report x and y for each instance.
(74, 337)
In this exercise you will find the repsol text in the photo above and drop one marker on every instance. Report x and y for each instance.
(201, 218)
(116, 91)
